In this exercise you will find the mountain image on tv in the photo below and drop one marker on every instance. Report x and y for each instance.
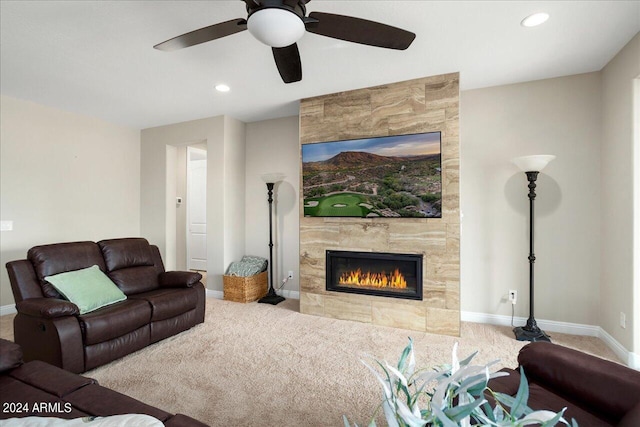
(390, 177)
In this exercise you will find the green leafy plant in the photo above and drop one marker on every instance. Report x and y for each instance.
(452, 396)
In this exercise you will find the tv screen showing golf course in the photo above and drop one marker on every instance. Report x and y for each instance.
(387, 177)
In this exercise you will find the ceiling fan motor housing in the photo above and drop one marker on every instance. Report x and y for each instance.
(276, 23)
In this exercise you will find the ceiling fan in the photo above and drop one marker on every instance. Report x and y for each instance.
(281, 23)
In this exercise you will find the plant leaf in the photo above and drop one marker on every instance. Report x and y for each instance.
(411, 367)
(442, 417)
(466, 361)
(543, 417)
(408, 417)
(346, 421)
(459, 412)
(405, 353)
(386, 385)
(389, 414)
(397, 374)
(522, 397)
(455, 365)
(430, 376)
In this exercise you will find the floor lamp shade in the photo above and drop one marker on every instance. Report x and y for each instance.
(533, 163)
(270, 179)
(531, 166)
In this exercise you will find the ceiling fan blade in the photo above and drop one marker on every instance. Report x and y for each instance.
(361, 31)
(203, 35)
(288, 63)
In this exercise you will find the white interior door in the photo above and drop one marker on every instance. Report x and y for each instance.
(196, 209)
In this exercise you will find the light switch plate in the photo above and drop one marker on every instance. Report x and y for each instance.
(6, 225)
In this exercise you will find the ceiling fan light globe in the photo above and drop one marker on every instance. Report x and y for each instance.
(276, 27)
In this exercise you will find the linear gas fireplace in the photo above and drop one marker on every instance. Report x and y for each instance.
(375, 273)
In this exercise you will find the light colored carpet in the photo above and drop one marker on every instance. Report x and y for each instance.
(262, 365)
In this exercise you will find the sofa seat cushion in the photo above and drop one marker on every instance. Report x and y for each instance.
(114, 321)
(541, 398)
(32, 401)
(169, 302)
(49, 378)
(100, 401)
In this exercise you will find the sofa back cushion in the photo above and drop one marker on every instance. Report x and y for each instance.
(130, 264)
(48, 260)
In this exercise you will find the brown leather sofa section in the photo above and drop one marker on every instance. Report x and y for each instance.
(159, 304)
(596, 392)
(39, 389)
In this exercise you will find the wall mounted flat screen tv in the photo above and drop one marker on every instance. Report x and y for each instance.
(387, 177)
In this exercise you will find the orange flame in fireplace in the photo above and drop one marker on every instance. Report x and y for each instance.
(373, 280)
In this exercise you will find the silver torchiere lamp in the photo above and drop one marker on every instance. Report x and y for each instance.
(271, 179)
(531, 165)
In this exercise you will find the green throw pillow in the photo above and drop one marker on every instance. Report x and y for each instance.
(89, 288)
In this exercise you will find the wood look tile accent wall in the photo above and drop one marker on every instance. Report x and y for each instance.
(422, 105)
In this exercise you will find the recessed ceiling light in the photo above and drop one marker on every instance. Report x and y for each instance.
(535, 19)
(222, 88)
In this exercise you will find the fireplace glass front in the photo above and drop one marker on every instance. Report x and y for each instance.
(375, 273)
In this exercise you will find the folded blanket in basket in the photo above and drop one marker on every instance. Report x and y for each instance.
(247, 266)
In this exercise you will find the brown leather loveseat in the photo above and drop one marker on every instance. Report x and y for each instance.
(596, 392)
(38, 389)
(158, 304)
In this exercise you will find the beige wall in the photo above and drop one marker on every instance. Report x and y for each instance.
(555, 116)
(224, 137)
(272, 146)
(63, 177)
(617, 257)
(234, 189)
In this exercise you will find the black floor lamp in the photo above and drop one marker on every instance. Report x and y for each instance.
(271, 179)
(531, 165)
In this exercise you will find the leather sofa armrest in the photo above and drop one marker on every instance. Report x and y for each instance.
(10, 355)
(179, 279)
(610, 387)
(47, 307)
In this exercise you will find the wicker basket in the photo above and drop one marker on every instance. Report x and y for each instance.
(245, 289)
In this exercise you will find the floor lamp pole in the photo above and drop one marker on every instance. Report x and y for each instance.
(271, 297)
(531, 331)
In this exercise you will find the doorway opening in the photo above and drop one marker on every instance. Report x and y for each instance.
(196, 221)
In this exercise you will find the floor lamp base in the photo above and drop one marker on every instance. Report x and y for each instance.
(272, 299)
(535, 334)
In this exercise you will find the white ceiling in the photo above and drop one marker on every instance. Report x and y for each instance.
(96, 57)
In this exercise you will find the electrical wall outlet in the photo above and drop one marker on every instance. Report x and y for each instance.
(623, 320)
(290, 275)
(513, 296)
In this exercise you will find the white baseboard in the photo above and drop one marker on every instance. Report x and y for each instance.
(631, 359)
(634, 361)
(289, 294)
(214, 294)
(7, 309)
(547, 325)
